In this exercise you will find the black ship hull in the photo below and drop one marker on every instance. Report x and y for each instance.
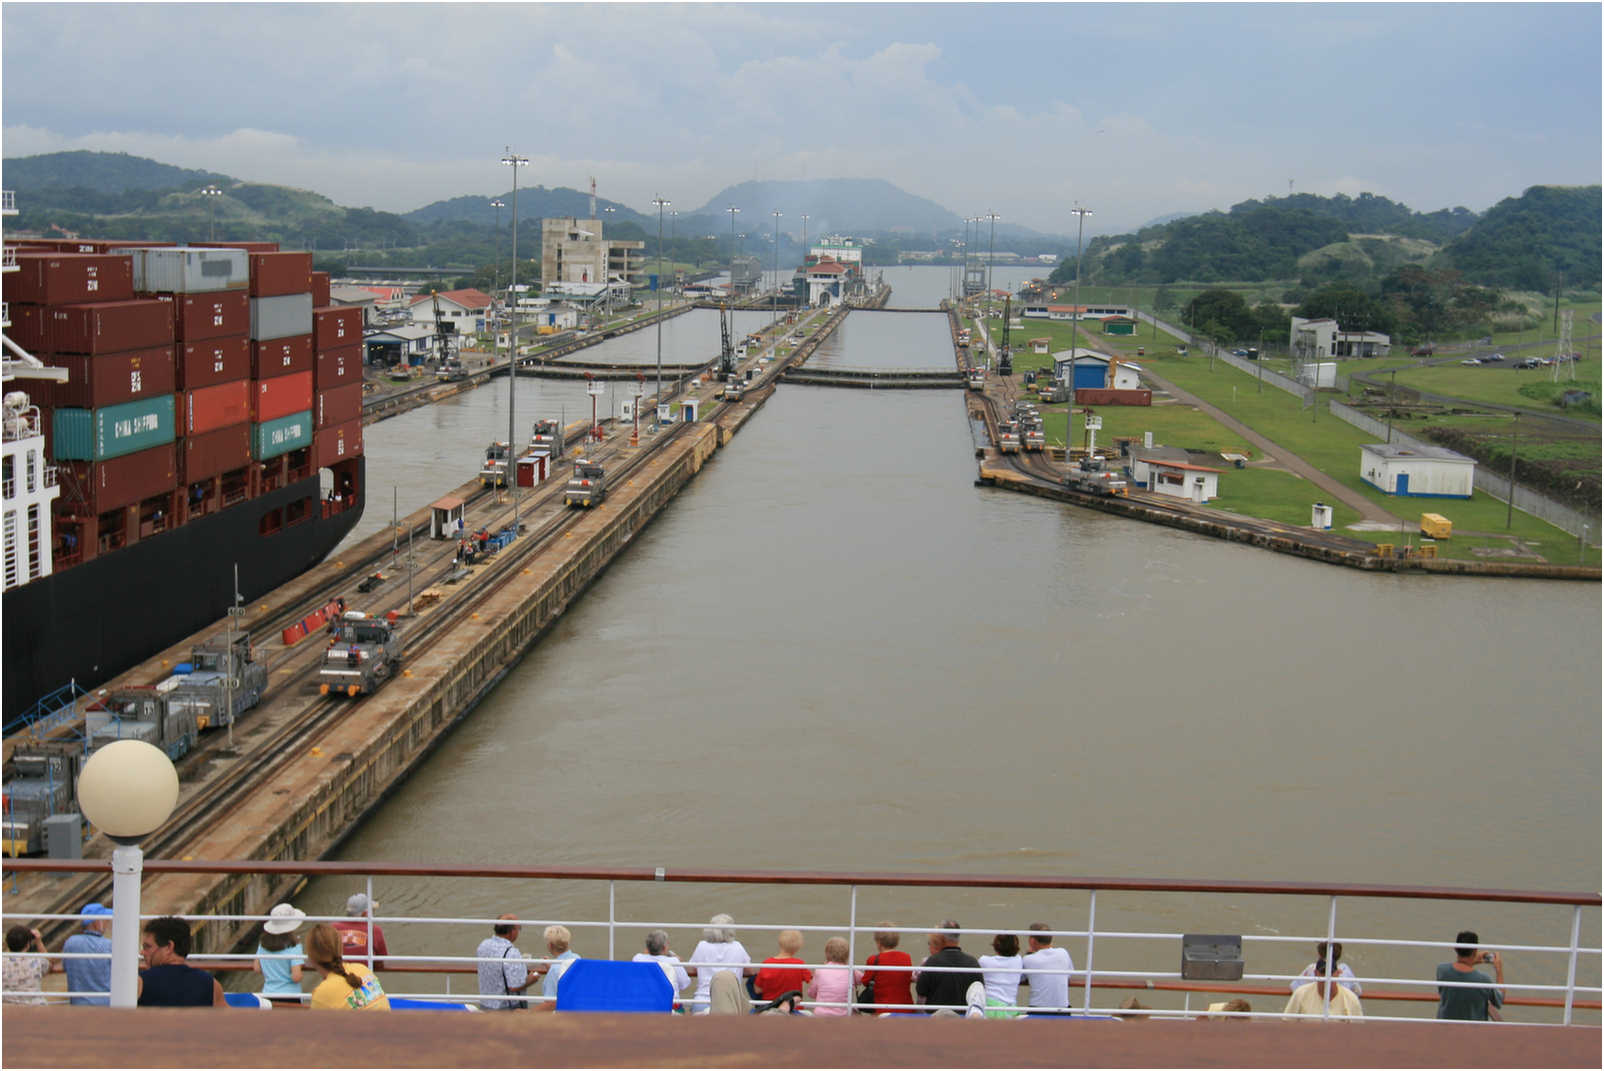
(95, 620)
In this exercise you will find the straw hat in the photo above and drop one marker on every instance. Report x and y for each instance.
(285, 919)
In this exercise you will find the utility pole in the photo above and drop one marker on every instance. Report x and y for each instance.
(514, 161)
(991, 256)
(774, 309)
(733, 211)
(1074, 322)
(211, 193)
(661, 202)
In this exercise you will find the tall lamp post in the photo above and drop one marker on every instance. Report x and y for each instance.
(775, 306)
(514, 161)
(1074, 322)
(991, 255)
(495, 274)
(127, 790)
(733, 211)
(211, 193)
(661, 202)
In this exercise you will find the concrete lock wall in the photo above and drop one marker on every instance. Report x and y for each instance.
(1540, 506)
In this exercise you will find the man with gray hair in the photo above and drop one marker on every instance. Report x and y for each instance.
(950, 988)
(1047, 970)
(657, 951)
(502, 970)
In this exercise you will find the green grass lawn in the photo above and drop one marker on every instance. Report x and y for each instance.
(1499, 383)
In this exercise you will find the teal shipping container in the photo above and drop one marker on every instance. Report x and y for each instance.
(271, 438)
(113, 431)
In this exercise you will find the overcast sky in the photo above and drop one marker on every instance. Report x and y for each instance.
(1135, 110)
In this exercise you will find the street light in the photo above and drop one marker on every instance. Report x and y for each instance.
(514, 161)
(127, 790)
(211, 193)
(495, 271)
(991, 256)
(661, 202)
(733, 211)
(775, 305)
(1074, 322)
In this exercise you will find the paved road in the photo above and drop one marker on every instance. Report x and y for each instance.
(1284, 457)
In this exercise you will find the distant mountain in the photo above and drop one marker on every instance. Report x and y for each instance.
(1524, 241)
(103, 172)
(845, 206)
(534, 202)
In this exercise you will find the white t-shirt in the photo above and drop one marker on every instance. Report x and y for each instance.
(1344, 975)
(1002, 977)
(1048, 990)
(671, 967)
(728, 952)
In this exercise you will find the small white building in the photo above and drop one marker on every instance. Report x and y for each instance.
(465, 310)
(1317, 339)
(1091, 371)
(827, 281)
(1417, 471)
(1321, 375)
(1181, 479)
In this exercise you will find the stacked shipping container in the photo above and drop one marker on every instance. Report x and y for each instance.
(336, 377)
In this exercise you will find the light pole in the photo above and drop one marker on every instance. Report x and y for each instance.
(495, 272)
(514, 161)
(991, 255)
(211, 193)
(775, 308)
(1074, 322)
(128, 789)
(733, 211)
(661, 202)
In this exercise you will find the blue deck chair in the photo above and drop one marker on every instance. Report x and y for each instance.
(414, 1004)
(605, 985)
(246, 1000)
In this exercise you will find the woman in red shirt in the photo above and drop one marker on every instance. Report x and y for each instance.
(890, 986)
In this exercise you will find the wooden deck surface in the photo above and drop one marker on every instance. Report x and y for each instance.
(102, 1037)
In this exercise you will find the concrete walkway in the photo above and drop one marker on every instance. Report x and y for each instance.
(1368, 510)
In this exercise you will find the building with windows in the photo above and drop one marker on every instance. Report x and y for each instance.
(1316, 339)
(464, 310)
(29, 488)
(574, 251)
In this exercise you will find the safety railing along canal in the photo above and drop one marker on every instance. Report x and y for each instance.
(1096, 985)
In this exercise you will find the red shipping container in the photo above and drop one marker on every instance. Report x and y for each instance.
(249, 247)
(335, 368)
(282, 395)
(339, 443)
(338, 406)
(320, 289)
(91, 487)
(335, 327)
(218, 360)
(28, 324)
(197, 317)
(216, 407)
(110, 326)
(279, 274)
(112, 378)
(67, 278)
(208, 454)
(281, 356)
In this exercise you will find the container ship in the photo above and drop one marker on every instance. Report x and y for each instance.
(170, 413)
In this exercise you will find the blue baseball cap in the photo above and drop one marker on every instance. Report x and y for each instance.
(95, 909)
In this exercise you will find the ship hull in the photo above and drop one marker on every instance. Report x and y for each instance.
(93, 621)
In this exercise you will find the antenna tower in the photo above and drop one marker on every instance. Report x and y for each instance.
(1562, 349)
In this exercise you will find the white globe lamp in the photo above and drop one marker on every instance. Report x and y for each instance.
(127, 790)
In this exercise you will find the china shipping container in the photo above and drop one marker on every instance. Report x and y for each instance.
(279, 274)
(335, 368)
(201, 456)
(271, 438)
(111, 378)
(281, 317)
(320, 289)
(99, 434)
(339, 443)
(281, 356)
(281, 396)
(197, 317)
(188, 270)
(249, 247)
(220, 406)
(339, 405)
(335, 327)
(218, 360)
(69, 278)
(109, 326)
(91, 487)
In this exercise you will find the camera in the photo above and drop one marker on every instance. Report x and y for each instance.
(1486, 957)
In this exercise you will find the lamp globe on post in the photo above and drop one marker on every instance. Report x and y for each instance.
(127, 790)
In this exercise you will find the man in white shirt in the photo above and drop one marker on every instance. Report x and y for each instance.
(1046, 972)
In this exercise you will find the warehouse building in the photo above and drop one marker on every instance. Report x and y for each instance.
(1417, 471)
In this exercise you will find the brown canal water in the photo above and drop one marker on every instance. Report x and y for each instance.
(834, 652)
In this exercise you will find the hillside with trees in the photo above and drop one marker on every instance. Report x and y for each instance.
(1526, 242)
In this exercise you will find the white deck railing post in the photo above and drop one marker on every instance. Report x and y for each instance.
(369, 888)
(852, 951)
(1331, 958)
(612, 915)
(1570, 969)
(1091, 936)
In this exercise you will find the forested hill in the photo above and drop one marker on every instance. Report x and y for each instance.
(1525, 241)
(101, 172)
(1257, 239)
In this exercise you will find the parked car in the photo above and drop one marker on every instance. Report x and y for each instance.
(1422, 351)
(1470, 360)
(1239, 353)
(1492, 358)
(1528, 362)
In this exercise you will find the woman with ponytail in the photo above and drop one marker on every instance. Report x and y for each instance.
(345, 986)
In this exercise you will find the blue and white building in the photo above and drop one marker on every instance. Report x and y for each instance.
(1417, 471)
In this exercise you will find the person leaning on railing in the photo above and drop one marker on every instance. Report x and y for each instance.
(502, 970)
(718, 952)
(1311, 998)
(888, 987)
(1343, 972)
(1470, 1002)
(345, 986)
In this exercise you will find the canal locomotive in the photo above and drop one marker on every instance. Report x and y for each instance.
(1008, 437)
(219, 685)
(587, 486)
(546, 436)
(1091, 478)
(39, 784)
(365, 652)
(142, 712)
(493, 473)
